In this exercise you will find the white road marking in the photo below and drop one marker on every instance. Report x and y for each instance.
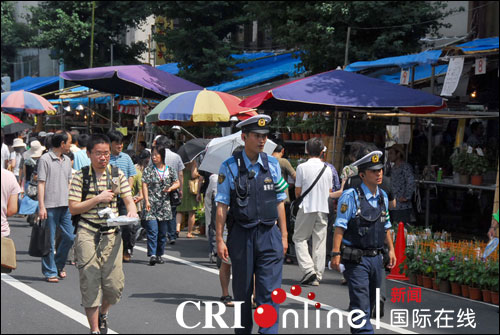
(300, 299)
(45, 299)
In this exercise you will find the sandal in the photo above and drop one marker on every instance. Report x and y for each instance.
(227, 300)
(189, 235)
(61, 273)
(52, 280)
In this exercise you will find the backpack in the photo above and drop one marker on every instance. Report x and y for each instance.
(86, 188)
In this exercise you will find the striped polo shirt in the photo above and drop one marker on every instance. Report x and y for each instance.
(124, 163)
(75, 194)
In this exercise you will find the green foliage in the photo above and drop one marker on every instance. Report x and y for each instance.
(319, 29)
(199, 42)
(478, 165)
(461, 161)
(14, 34)
(65, 26)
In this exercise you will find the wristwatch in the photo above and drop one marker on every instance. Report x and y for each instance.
(333, 254)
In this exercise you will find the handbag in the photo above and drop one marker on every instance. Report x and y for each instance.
(32, 190)
(40, 239)
(193, 186)
(8, 255)
(175, 198)
(294, 205)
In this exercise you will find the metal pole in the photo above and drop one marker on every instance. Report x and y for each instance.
(433, 74)
(111, 54)
(428, 190)
(412, 75)
(347, 46)
(92, 35)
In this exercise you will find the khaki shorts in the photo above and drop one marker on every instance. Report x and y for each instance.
(102, 277)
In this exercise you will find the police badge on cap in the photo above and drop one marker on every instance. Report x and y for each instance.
(256, 124)
(372, 161)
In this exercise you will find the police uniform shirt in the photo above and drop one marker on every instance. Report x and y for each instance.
(226, 181)
(347, 206)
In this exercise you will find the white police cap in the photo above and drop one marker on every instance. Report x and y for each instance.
(256, 124)
(371, 161)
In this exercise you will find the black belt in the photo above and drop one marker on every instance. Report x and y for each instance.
(97, 226)
(372, 252)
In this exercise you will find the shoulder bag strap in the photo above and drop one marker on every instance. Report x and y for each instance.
(313, 184)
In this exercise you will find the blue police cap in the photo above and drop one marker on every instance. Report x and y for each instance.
(371, 161)
(256, 124)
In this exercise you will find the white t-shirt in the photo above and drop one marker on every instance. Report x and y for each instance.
(18, 157)
(317, 199)
(5, 155)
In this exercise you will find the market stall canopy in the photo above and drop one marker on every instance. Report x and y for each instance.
(339, 88)
(132, 80)
(22, 101)
(199, 106)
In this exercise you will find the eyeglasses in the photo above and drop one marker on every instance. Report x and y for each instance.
(102, 154)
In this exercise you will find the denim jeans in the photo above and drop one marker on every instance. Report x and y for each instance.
(157, 237)
(172, 225)
(58, 217)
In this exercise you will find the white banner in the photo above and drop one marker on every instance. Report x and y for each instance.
(452, 76)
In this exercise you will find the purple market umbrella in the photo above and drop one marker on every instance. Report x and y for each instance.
(343, 89)
(134, 80)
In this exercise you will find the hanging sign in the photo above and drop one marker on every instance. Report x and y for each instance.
(480, 66)
(405, 77)
(453, 76)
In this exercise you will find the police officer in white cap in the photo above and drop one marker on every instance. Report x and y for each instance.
(362, 226)
(250, 184)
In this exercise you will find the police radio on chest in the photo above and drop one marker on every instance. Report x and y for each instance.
(242, 192)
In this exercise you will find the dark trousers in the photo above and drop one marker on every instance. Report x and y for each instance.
(128, 232)
(259, 251)
(363, 279)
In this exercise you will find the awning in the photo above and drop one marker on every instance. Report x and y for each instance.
(33, 84)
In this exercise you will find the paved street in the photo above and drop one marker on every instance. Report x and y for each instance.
(152, 296)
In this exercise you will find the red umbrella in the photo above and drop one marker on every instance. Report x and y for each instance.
(22, 101)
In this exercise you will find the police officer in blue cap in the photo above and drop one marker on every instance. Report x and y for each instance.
(362, 226)
(251, 187)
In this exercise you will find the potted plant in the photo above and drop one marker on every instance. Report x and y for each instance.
(460, 163)
(484, 282)
(443, 268)
(493, 275)
(427, 271)
(477, 167)
(474, 271)
(454, 276)
(409, 266)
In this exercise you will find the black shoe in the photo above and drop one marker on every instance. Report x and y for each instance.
(172, 242)
(103, 323)
(152, 260)
(308, 278)
(159, 260)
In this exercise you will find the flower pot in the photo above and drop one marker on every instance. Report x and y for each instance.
(420, 281)
(413, 278)
(464, 179)
(494, 298)
(455, 288)
(305, 136)
(465, 290)
(285, 136)
(476, 180)
(435, 285)
(456, 178)
(486, 295)
(444, 286)
(427, 281)
(474, 293)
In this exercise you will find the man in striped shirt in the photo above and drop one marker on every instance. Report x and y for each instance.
(98, 248)
(124, 163)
